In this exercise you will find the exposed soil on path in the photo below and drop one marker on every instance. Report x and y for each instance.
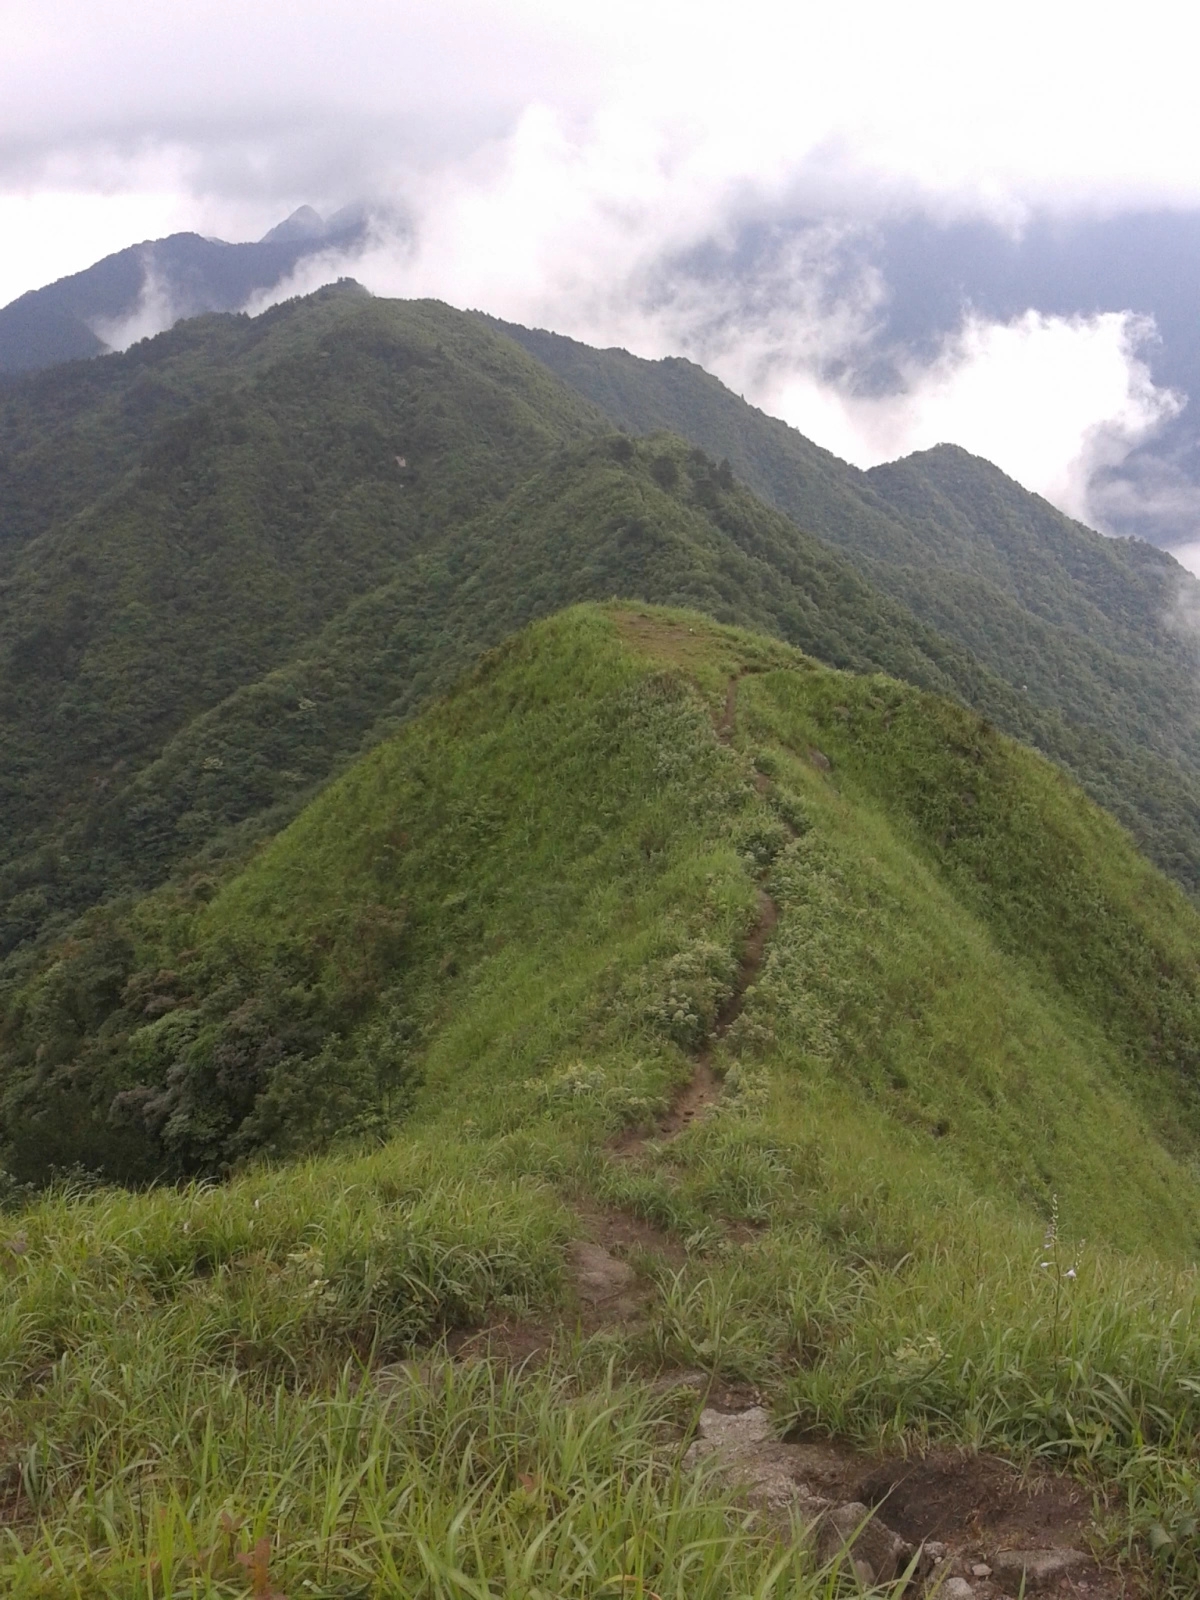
(962, 1526)
(703, 1089)
(949, 1523)
(727, 723)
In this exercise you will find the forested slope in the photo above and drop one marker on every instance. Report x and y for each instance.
(560, 861)
(1094, 630)
(239, 552)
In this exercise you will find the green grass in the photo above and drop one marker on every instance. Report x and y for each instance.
(185, 1373)
(218, 585)
(496, 942)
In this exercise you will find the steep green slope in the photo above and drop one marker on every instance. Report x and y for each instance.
(240, 552)
(1093, 624)
(943, 1019)
(279, 469)
(1087, 627)
(551, 873)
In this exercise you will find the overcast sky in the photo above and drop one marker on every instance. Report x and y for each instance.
(568, 165)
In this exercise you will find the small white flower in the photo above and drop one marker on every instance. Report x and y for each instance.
(1070, 1272)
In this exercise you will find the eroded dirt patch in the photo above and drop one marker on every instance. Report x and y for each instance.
(610, 1289)
(963, 1526)
(952, 1493)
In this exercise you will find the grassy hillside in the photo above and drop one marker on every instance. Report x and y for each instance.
(944, 1008)
(599, 520)
(569, 824)
(1087, 628)
(594, 522)
(240, 553)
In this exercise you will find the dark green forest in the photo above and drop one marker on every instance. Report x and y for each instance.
(238, 554)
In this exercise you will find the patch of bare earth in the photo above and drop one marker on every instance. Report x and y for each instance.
(610, 1267)
(950, 1523)
(703, 1088)
(947, 1524)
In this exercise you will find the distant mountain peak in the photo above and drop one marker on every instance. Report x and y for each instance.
(147, 287)
(304, 223)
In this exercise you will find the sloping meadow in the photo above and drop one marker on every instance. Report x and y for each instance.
(476, 973)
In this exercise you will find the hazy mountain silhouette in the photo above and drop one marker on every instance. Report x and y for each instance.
(147, 287)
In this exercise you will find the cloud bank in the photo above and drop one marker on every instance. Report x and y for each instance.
(615, 236)
(600, 171)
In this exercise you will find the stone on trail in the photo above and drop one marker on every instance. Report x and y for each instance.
(853, 1529)
(599, 1276)
(1035, 1569)
(733, 1430)
(765, 1470)
(752, 1461)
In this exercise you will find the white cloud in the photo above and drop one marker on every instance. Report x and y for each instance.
(564, 163)
(1051, 400)
(153, 313)
(279, 103)
(592, 230)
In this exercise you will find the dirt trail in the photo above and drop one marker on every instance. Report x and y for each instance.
(962, 1527)
(728, 719)
(704, 1087)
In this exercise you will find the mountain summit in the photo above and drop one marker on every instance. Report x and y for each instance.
(304, 223)
(733, 1003)
(146, 287)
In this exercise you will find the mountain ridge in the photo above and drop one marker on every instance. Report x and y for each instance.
(336, 977)
(233, 466)
(459, 1028)
(146, 287)
(1033, 594)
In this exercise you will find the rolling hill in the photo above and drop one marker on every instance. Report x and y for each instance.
(513, 941)
(239, 552)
